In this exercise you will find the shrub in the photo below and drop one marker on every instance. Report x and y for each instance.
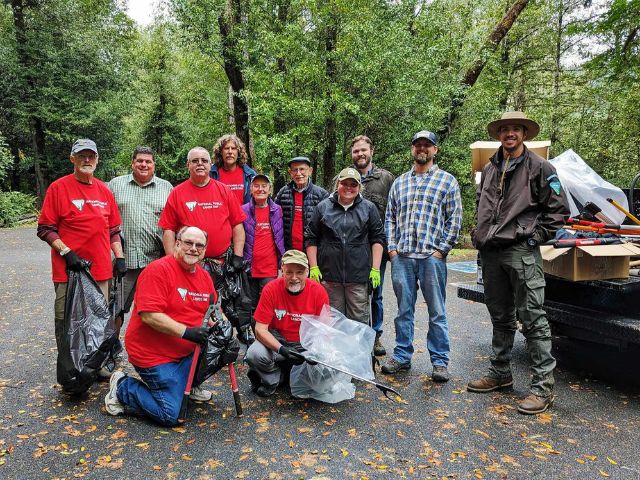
(14, 206)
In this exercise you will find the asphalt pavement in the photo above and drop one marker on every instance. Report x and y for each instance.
(438, 431)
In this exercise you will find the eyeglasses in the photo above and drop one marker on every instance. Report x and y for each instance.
(190, 245)
(196, 161)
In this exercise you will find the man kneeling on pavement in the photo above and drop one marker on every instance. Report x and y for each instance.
(278, 317)
(171, 300)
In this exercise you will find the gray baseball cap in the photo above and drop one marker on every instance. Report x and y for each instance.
(299, 159)
(84, 144)
(261, 176)
(425, 134)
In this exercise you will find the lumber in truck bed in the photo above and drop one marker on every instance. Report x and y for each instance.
(602, 311)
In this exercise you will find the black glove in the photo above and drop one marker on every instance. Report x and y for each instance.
(73, 261)
(235, 264)
(120, 268)
(198, 335)
(291, 355)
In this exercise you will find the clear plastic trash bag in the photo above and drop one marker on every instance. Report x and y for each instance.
(332, 338)
(584, 185)
(89, 333)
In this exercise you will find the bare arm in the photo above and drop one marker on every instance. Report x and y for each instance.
(163, 323)
(168, 241)
(376, 253)
(237, 238)
(312, 255)
(116, 248)
(264, 336)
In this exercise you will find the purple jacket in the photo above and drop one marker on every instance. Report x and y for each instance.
(275, 217)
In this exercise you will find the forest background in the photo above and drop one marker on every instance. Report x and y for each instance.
(302, 77)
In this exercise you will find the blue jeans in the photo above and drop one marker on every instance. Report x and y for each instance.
(159, 395)
(431, 274)
(377, 310)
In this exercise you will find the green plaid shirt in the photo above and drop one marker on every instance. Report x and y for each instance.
(140, 209)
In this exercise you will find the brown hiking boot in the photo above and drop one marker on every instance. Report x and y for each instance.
(488, 384)
(534, 404)
(378, 348)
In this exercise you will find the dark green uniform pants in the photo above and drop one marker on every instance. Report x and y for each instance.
(514, 284)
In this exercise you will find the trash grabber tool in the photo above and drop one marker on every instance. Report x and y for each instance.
(383, 388)
(587, 223)
(596, 211)
(627, 213)
(182, 417)
(217, 311)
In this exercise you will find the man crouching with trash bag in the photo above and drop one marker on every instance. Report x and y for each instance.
(171, 299)
(278, 316)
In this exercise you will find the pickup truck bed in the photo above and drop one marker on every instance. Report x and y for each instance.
(603, 311)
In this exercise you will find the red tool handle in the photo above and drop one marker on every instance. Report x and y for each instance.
(234, 389)
(182, 417)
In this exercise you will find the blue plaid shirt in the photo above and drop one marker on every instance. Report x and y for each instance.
(424, 213)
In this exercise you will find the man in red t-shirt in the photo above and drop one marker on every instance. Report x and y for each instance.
(209, 205)
(80, 220)
(230, 166)
(171, 299)
(278, 316)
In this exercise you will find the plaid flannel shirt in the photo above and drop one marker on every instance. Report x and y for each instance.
(424, 213)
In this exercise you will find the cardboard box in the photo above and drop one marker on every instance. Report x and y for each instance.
(596, 262)
(482, 151)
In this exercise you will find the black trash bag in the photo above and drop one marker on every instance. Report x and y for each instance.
(233, 289)
(89, 333)
(222, 349)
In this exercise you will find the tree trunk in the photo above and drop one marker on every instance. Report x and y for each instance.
(230, 23)
(38, 136)
(473, 73)
(556, 74)
(330, 136)
(279, 122)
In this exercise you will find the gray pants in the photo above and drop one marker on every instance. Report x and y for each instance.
(514, 284)
(351, 299)
(269, 364)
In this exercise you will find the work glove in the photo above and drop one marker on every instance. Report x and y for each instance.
(290, 354)
(73, 261)
(120, 268)
(198, 335)
(314, 274)
(374, 277)
(234, 265)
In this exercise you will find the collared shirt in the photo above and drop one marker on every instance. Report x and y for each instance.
(140, 208)
(424, 213)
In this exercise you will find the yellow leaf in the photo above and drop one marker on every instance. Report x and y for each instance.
(304, 429)
(603, 473)
(590, 457)
(157, 467)
(344, 452)
(143, 445)
(480, 432)
(579, 460)
(291, 444)
(186, 457)
(611, 461)
(179, 429)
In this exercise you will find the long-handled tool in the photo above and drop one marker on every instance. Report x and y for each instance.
(584, 242)
(383, 388)
(627, 213)
(182, 417)
(612, 226)
(217, 311)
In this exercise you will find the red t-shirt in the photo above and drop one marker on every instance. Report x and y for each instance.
(83, 214)
(164, 286)
(264, 263)
(234, 180)
(213, 208)
(297, 229)
(283, 311)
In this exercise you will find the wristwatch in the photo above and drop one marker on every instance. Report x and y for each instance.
(64, 251)
(532, 242)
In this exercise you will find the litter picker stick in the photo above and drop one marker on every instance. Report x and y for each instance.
(383, 388)
(217, 311)
(587, 223)
(628, 214)
(182, 417)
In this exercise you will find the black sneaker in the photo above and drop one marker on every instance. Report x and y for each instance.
(266, 390)
(393, 366)
(254, 378)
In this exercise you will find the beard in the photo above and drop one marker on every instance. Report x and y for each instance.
(422, 159)
(294, 287)
(363, 162)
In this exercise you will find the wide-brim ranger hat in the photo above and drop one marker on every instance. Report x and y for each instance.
(349, 173)
(514, 118)
(295, 256)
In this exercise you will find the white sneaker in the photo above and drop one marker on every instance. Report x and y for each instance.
(199, 394)
(111, 402)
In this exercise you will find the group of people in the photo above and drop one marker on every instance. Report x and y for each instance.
(299, 251)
